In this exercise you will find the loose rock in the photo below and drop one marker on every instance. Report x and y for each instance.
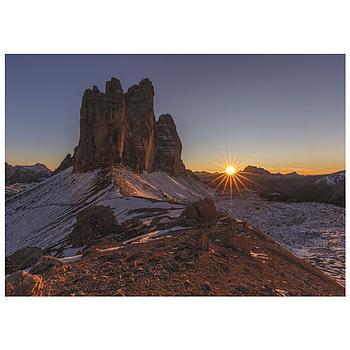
(22, 283)
(22, 259)
(44, 264)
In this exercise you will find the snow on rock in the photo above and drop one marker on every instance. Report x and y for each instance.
(154, 235)
(44, 215)
(161, 186)
(313, 231)
(18, 187)
(332, 180)
(123, 205)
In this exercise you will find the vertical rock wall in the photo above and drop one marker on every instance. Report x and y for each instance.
(118, 128)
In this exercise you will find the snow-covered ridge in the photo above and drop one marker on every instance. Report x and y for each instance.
(331, 180)
(43, 215)
(37, 168)
(160, 186)
(13, 189)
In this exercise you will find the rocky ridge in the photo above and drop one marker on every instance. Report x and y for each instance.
(227, 258)
(65, 164)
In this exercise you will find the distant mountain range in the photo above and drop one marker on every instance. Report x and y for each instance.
(26, 173)
(18, 177)
(293, 187)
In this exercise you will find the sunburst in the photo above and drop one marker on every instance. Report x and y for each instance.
(230, 170)
(231, 177)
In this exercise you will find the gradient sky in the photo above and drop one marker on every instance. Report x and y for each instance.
(281, 112)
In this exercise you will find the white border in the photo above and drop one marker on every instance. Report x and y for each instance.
(173, 27)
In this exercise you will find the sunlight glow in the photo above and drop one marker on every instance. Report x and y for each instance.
(232, 179)
(230, 170)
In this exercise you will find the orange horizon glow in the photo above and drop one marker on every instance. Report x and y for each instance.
(307, 164)
(229, 178)
(238, 166)
(300, 171)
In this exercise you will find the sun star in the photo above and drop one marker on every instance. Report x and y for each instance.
(230, 170)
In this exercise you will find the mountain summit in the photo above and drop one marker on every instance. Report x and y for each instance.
(118, 128)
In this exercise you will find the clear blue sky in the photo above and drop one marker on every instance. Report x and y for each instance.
(282, 112)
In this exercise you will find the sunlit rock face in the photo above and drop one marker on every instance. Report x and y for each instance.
(120, 128)
(169, 147)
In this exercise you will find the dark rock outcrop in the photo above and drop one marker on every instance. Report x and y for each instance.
(65, 164)
(169, 147)
(118, 128)
(92, 224)
(45, 263)
(202, 211)
(22, 259)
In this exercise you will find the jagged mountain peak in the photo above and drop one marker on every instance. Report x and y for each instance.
(255, 170)
(119, 128)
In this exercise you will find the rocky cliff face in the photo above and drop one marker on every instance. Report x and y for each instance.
(169, 147)
(66, 163)
(103, 128)
(120, 128)
(142, 126)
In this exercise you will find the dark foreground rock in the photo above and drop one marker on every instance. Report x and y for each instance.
(44, 264)
(203, 211)
(22, 283)
(217, 260)
(22, 259)
(92, 224)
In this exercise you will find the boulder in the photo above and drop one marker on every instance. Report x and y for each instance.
(202, 211)
(22, 259)
(44, 264)
(238, 242)
(92, 224)
(22, 283)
